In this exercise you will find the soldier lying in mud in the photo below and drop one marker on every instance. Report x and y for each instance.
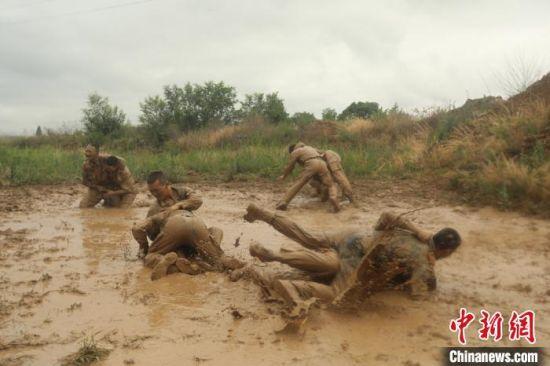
(351, 264)
(107, 178)
(181, 241)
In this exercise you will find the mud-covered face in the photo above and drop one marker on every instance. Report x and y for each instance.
(90, 152)
(160, 191)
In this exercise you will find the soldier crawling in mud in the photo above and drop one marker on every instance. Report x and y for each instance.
(314, 167)
(181, 242)
(108, 179)
(354, 263)
(334, 163)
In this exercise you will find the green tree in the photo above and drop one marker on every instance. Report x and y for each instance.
(38, 131)
(359, 110)
(194, 106)
(302, 118)
(269, 106)
(156, 120)
(101, 119)
(329, 114)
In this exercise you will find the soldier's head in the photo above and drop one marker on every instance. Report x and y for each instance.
(90, 152)
(445, 242)
(158, 185)
(112, 163)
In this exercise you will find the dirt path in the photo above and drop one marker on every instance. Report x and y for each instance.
(66, 274)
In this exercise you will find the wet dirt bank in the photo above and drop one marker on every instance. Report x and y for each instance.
(67, 274)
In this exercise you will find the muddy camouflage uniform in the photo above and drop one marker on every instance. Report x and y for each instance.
(313, 167)
(356, 263)
(181, 232)
(334, 163)
(98, 181)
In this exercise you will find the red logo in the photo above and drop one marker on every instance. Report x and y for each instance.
(519, 325)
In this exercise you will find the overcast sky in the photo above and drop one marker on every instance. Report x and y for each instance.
(316, 54)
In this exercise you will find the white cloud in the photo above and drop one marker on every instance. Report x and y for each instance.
(317, 54)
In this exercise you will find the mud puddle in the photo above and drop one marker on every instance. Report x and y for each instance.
(68, 274)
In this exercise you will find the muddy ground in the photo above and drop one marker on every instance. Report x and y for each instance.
(67, 274)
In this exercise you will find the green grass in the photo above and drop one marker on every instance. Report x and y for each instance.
(88, 353)
(49, 165)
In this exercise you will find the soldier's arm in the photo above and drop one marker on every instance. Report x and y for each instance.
(139, 232)
(290, 166)
(191, 202)
(86, 177)
(391, 221)
(126, 182)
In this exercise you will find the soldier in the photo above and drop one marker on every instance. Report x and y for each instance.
(334, 163)
(355, 263)
(314, 167)
(177, 235)
(120, 190)
(107, 179)
(92, 176)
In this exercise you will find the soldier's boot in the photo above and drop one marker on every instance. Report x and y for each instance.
(285, 289)
(281, 206)
(253, 213)
(217, 234)
(231, 263)
(262, 253)
(152, 259)
(185, 266)
(161, 268)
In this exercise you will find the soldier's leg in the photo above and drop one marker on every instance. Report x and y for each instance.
(328, 182)
(91, 198)
(287, 227)
(342, 180)
(390, 221)
(320, 189)
(294, 291)
(161, 268)
(324, 263)
(305, 176)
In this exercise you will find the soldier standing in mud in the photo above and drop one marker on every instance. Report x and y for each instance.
(313, 167)
(354, 263)
(108, 179)
(181, 242)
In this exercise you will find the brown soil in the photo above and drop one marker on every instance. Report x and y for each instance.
(67, 274)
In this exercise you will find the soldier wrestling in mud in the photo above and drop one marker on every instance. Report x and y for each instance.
(353, 263)
(334, 164)
(181, 242)
(107, 178)
(314, 167)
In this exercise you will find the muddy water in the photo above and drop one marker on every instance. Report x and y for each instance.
(67, 274)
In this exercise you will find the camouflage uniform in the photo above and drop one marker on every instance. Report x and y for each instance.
(356, 263)
(313, 167)
(180, 231)
(334, 163)
(99, 181)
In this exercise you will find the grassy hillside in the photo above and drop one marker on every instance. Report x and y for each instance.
(490, 150)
